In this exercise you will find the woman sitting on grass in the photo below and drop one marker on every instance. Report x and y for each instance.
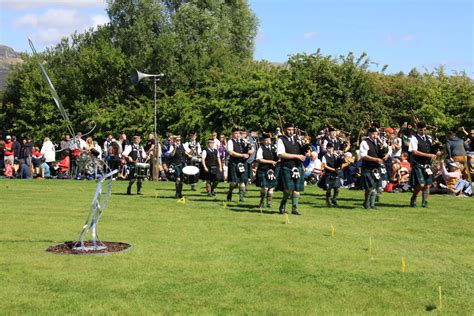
(454, 182)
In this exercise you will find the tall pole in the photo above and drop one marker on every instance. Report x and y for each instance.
(154, 173)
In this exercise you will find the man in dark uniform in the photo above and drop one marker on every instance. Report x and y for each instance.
(421, 176)
(266, 177)
(177, 154)
(134, 153)
(237, 166)
(194, 154)
(332, 174)
(371, 167)
(291, 174)
(212, 167)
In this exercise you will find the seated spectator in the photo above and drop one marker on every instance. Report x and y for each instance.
(63, 166)
(23, 170)
(404, 161)
(313, 170)
(8, 171)
(45, 170)
(454, 182)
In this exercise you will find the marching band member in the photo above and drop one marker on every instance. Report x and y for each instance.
(371, 166)
(421, 175)
(178, 154)
(332, 174)
(237, 167)
(291, 175)
(134, 153)
(266, 177)
(194, 154)
(212, 166)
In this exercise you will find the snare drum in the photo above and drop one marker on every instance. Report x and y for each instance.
(190, 174)
(142, 170)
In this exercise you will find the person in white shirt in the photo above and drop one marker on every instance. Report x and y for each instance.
(266, 179)
(314, 168)
(212, 167)
(134, 153)
(178, 155)
(237, 167)
(48, 151)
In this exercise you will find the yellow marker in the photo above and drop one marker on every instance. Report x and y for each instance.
(224, 204)
(287, 218)
(403, 265)
(333, 230)
(181, 200)
(440, 298)
(370, 246)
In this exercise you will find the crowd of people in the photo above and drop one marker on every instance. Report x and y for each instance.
(384, 159)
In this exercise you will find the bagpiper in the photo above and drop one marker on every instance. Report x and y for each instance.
(134, 153)
(266, 177)
(212, 167)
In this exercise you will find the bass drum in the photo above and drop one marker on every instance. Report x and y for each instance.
(190, 174)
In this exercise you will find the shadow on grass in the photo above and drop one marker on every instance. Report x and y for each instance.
(251, 209)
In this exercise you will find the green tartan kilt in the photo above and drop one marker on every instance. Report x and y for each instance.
(286, 182)
(264, 182)
(234, 176)
(418, 175)
(368, 180)
(177, 174)
(333, 181)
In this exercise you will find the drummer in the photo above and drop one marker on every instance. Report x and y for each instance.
(177, 154)
(212, 167)
(134, 153)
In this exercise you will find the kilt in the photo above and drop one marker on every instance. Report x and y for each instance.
(418, 175)
(333, 181)
(178, 172)
(286, 182)
(212, 175)
(263, 181)
(368, 180)
(234, 176)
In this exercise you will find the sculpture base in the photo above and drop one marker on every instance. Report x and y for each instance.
(74, 248)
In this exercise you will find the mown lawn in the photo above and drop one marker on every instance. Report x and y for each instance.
(202, 258)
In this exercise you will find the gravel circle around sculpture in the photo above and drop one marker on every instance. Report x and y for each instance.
(70, 248)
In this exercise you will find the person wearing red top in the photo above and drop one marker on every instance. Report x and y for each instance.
(8, 150)
(63, 166)
(404, 162)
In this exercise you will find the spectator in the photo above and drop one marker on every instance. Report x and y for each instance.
(28, 152)
(23, 170)
(8, 150)
(453, 179)
(8, 170)
(2, 156)
(64, 165)
(45, 170)
(48, 151)
(313, 171)
(16, 148)
(404, 161)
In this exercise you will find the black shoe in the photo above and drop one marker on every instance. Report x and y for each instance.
(229, 197)
(129, 191)
(366, 205)
(213, 193)
(334, 202)
(282, 210)
(413, 201)
(295, 212)
(424, 204)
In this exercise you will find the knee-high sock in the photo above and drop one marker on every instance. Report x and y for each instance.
(424, 195)
(335, 194)
(295, 198)
(242, 191)
(262, 195)
(232, 186)
(269, 197)
(214, 185)
(373, 196)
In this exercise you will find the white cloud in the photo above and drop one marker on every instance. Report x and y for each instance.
(397, 39)
(29, 4)
(310, 35)
(50, 26)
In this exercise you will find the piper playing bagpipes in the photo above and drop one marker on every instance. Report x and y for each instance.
(212, 166)
(134, 154)
(266, 176)
(237, 168)
(194, 155)
(332, 178)
(177, 154)
(423, 152)
(291, 174)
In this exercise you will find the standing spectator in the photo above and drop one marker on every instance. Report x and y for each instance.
(28, 152)
(2, 155)
(123, 141)
(16, 148)
(107, 143)
(456, 150)
(8, 150)
(48, 151)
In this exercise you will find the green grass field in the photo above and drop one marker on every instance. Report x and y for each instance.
(202, 258)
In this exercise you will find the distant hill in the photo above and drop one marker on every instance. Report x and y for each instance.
(8, 57)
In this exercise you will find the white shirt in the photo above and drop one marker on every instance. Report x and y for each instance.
(82, 144)
(217, 143)
(414, 142)
(364, 147)
(281, 146)
(230, 144)
(260, 152)
(128, 150)
(204, 153)
(315, 165)
(48, 151)
(185, 146)
(197, 146)
(396, 141)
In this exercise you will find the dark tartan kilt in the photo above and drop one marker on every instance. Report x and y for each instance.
(418, 175)
(177, 174)
(234, 175)
(368, 180)
(263, 181)
(333, 181)
(286, 182)
(212, 175)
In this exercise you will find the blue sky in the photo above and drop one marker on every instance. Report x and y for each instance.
(402, 34)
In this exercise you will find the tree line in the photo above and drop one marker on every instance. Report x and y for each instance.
(211, 81)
